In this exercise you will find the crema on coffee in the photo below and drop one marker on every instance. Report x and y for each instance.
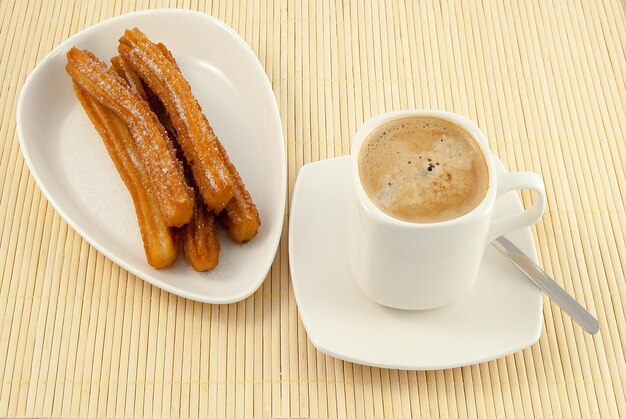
(423, 170)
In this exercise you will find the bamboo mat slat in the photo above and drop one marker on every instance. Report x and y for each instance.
(81, 337)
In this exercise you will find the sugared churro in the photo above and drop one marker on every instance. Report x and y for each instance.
(240, 217)
(159, 245)
(195, 135)
(174, 196)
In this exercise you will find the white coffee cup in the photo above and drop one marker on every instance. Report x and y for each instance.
(416, 266)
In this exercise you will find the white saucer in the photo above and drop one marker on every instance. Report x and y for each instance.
(501, 315)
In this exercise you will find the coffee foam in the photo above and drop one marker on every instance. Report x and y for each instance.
(423, 169)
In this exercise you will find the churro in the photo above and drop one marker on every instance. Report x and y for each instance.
(240, 217)
(174, 196)
(158, 242)
(195, 135)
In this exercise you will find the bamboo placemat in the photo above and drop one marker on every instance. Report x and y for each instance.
(545, 80)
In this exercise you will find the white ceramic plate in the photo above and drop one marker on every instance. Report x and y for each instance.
(71, 166)
(501, 315)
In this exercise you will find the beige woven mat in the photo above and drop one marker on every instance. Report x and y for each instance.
(544, 79)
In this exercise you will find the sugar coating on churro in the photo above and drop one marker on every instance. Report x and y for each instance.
(124, 71)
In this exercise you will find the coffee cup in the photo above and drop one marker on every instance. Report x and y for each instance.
(414, 248)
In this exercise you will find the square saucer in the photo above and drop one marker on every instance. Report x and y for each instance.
(502, 314)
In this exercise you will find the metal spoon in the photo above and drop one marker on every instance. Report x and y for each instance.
(547, 284)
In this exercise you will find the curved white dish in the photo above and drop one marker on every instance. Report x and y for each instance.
(71, 166)
(501, 315)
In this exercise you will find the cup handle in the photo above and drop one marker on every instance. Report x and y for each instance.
(508, 182)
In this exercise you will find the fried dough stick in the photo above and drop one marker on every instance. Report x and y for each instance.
(165, 171)
(195, 135)
(158, 242)
(240, 217)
